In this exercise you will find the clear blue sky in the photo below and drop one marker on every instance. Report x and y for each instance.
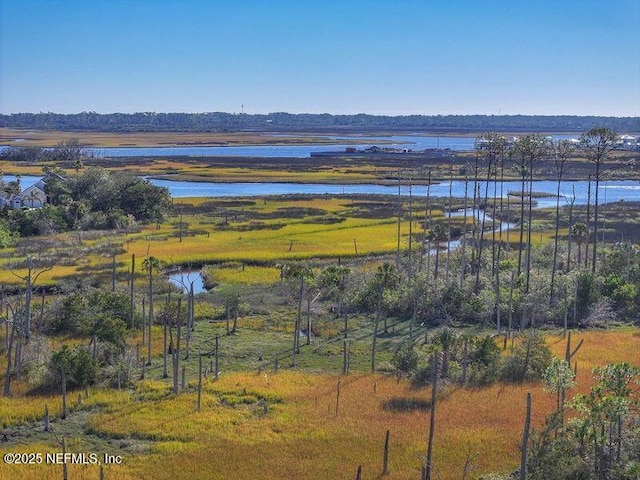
(345, 56)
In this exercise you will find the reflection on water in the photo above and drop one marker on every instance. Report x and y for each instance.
(184, 278)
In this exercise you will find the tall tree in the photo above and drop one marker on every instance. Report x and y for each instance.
(437, 235)
(562, 149)
(385, 277)
(579, 234)
(150, 264)
(300, 271)
(597, 144)
(490, 147)
(530, 149)
(36, 265)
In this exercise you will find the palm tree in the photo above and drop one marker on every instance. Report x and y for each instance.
(447, 339)
(150, 264)
(301, 271)
(579, 232)
(596, 144)
(385, 277)
(32, 197)
(437, 235)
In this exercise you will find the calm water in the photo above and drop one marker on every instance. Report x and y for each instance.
(414, 142)
(610, 191)
(184, 278)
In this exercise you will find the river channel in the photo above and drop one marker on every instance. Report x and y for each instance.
(336, 144)
(610, 191)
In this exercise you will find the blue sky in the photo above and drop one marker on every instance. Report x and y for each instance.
(344, 56)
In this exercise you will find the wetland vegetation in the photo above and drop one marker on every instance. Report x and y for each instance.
(329, 320)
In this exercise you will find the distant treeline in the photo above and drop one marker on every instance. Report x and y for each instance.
(220, 122)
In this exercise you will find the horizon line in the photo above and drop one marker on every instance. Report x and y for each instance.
(326, 113)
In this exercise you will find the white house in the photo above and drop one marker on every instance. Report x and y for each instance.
(10, 200)
(34, 196)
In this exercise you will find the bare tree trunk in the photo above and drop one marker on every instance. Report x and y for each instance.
(27, 304)
(345, 369)
(199, 381)
(190, 316)
(448, 267)
(46, 418)
(151, 310)
(399, 223)
(17, 362)
(410, 259)
(308, 320)
(374, 341)
(432, 416)
(586, 247)
(510, 318)
(143, 324)
(131, 290)
(570, 239)
(296, 329)
(217, 358)
(529, 226)
(498, 295)
(165, 352)
(555, 240)
(595, 221)
(64, 394)
(41, 317)
(64, 463)
(385, 456)
(113, 272)
(175, 353)
(481, 235)
(463, 262)
(7, 377)
(525, 440)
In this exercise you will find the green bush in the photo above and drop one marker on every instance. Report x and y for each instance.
(528, 361)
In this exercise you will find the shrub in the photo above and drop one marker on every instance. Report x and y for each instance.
(528, 361)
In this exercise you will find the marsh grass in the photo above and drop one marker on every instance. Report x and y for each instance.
(285, 424)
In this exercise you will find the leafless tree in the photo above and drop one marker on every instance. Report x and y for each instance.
(596, 144)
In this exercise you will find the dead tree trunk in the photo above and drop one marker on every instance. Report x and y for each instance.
(165, 352)
(131, 290)
(345, 367)
(296, 330)
(64, 393)
(385, 456)
(525, 440)
(7, 378)
(113, 272)
(46, 418)
(175, 353)
(217, 372)
(432, 415)
(64, 463)
(199, 381)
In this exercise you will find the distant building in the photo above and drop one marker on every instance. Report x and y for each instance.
(10, 200)
(628, 142)
(34, 196)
